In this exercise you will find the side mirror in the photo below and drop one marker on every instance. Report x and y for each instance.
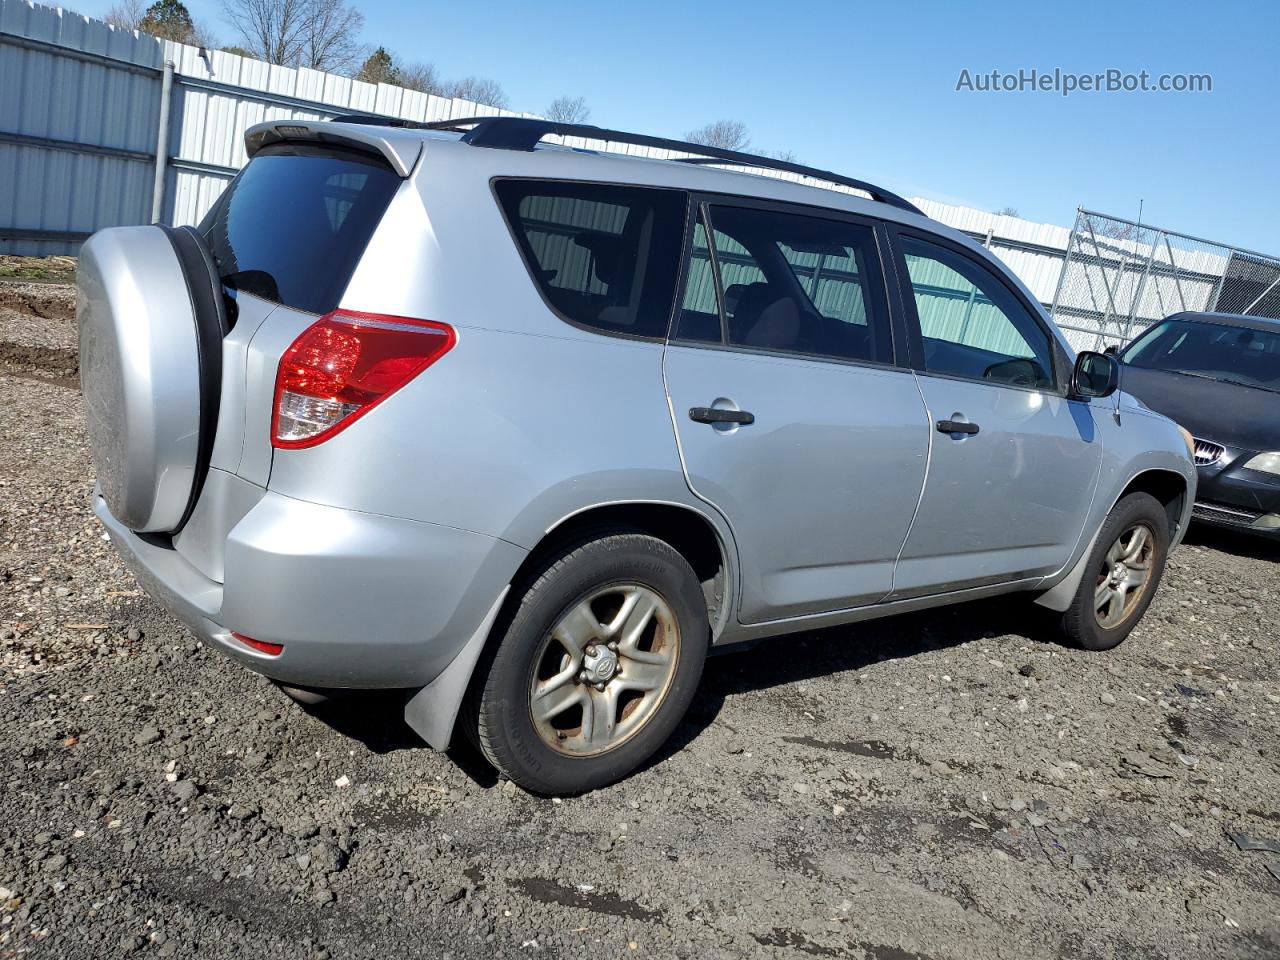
(1095, 375)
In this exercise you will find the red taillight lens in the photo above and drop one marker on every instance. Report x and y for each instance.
(343, 365)
(270, 649)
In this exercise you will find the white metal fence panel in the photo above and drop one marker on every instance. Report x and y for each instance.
(78, 115)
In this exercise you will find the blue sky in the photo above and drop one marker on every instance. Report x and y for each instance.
(869, 90)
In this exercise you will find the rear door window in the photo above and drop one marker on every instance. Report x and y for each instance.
(604, 256)
(790, 283)
(292, 226)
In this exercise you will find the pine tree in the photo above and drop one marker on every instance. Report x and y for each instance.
(379, 68)
(168, 20)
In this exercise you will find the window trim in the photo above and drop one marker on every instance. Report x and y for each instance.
(530, 267)
(894, 322)
(915, 332)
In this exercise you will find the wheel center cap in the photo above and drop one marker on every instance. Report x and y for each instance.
(600, 664)
(1119, 573)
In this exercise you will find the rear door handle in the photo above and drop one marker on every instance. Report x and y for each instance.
(717, 415)
(957, 426)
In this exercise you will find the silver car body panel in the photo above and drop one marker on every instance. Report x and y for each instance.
(1133, 452)
(825, 432)
(225, 500)
(228, 439)
(357, 600)
(380, 557)
(991, 512)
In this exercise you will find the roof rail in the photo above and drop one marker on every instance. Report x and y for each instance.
(524, 133)
(373, 120)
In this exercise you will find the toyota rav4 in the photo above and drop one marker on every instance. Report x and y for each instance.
(529, 429)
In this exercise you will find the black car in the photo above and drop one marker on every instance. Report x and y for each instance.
(1218, 375)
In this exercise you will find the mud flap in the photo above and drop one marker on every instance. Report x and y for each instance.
(433, 710)
(1059, 597)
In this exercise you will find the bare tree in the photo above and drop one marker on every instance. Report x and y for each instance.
(126, 15)
(724, 134)
(479, 90)
(330, 36)
(422, 77)
(310, 33)
(274, 30)
(786, 156)
(569, 110)
(1007, 212)
(203, 36)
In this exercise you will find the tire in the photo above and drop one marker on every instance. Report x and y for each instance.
(1107, 605)
(556, 721)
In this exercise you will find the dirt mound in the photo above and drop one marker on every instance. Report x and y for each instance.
(46, 300)
(55, 362)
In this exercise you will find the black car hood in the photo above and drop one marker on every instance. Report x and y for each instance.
(1226, 413)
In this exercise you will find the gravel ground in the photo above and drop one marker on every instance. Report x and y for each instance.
(942, 785)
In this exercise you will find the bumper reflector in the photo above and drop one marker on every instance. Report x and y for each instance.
(270, 649)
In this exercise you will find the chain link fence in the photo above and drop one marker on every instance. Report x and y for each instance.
(1120, 276)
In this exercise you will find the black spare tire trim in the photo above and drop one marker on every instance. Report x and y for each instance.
(209, 311)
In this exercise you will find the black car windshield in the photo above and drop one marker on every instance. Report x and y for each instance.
(1213, 350)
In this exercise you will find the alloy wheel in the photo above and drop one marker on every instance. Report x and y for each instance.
(604, 669)
(1123, 575)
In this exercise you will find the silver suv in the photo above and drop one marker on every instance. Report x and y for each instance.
(530, 429)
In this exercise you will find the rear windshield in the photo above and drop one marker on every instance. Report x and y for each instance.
(292, 225)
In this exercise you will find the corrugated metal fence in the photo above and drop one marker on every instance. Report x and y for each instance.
(79, 144)
(82, 108)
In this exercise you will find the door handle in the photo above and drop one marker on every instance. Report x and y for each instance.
(717, 415)
(957, 426)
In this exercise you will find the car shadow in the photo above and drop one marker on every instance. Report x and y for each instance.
(797, 657)
(376, 718)
(1235, 542)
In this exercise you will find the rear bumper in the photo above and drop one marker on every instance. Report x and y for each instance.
(357, 600)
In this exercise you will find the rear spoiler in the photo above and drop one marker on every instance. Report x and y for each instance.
(401, 149)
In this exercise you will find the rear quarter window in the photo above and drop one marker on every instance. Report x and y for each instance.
(293, 224)
(603, 256)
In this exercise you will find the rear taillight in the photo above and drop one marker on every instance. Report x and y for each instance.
(344, 365)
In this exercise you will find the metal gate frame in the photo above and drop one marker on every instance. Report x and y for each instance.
(1119, 276)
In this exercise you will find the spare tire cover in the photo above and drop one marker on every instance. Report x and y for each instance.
(147, 373)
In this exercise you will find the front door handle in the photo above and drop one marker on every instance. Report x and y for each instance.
(957, 426)
(717, 415)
